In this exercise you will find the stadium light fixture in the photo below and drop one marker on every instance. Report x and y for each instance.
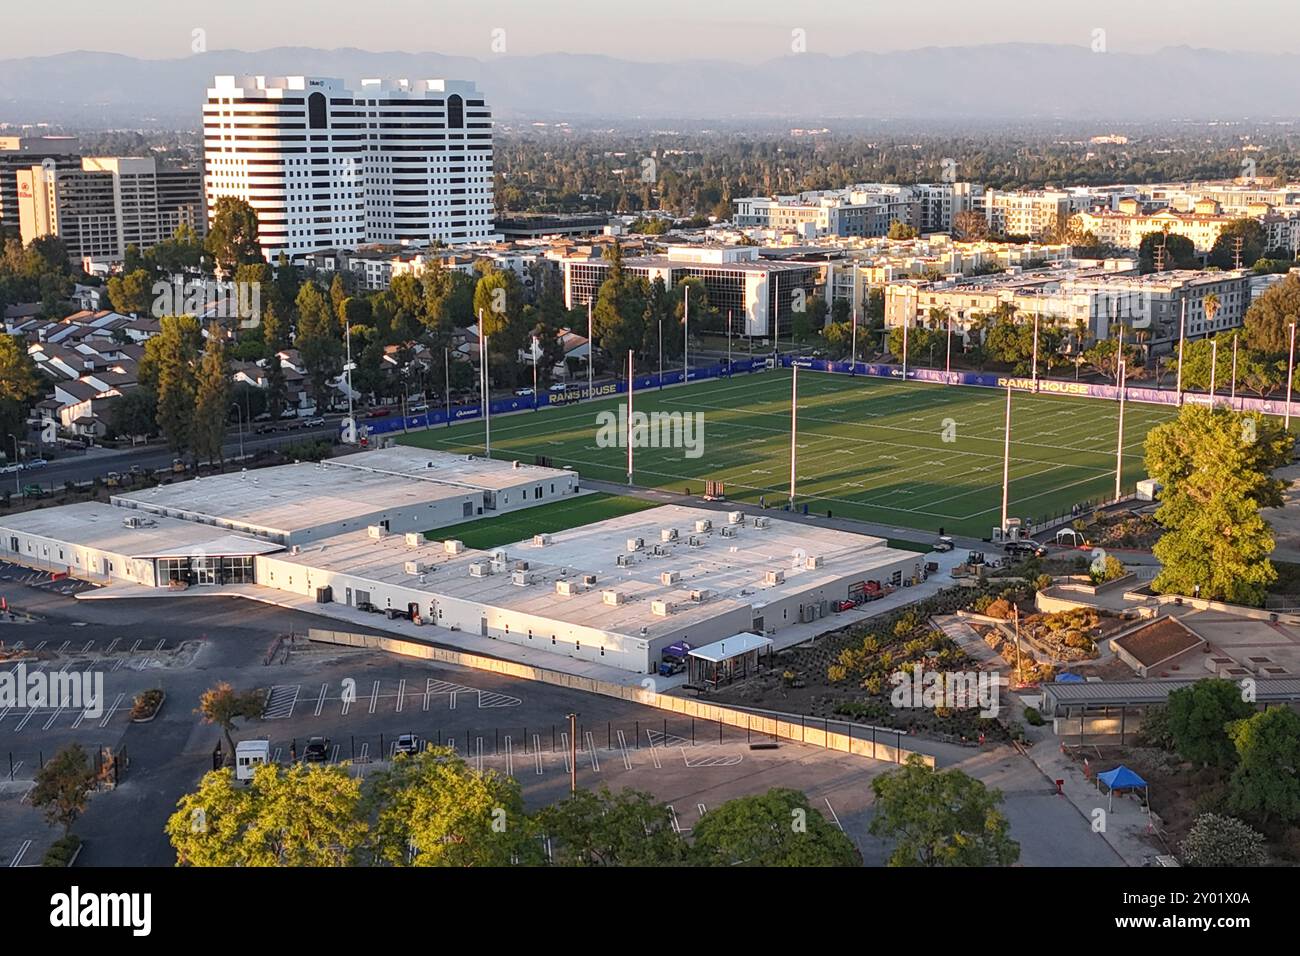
(1290, 369)
(1119, 447)
(794, 427)
(1006, 459)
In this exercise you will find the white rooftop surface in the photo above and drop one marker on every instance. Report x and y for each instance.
(730, 647)
(736, 577)
(472, 472)
(100, 527)
(290, 498)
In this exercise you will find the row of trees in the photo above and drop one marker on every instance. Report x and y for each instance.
(433, 809)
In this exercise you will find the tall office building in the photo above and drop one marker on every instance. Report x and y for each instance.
(104, 204)
(23, 152)
(326, 166)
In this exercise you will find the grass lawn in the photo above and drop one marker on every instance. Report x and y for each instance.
(910, 454)
(485, 533)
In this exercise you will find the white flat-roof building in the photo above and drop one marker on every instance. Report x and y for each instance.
(616, 592)
(99, 542)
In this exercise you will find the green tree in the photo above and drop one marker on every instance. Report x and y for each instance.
(222, 705)
(135, 413)
(318, 343)
(232, 234)
(20, 385)
(273, 335)
(212, 398)
(62, 787)
(1198, 716)
(304, 815)
(902, 230)
(941, 818)
(131, 293)
(1265, 785)
(433, 809)
(1239, 240)
(628, 828)
(1216, 840)
(1179, 252)
(777, 828)
(1216, 466)
(1267, 322)
(177, 358)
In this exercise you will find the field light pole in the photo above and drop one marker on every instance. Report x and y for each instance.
(446, 382)
(661, 353)
(1182, 325)
(854, 338)
(1214, 367)
(629, 416)
(239, 418)
(1119, 447)
(1232, 395)
(573, 753)
(1034, 376)
(904, 350)
(347, 367)
(1006, 458)
(947, 362)
(728, 342)
(535, 344)
(686, 333)
(794, 428)
(1290, 369)
(591, 353)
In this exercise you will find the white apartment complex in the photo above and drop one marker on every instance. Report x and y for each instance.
(326, 166)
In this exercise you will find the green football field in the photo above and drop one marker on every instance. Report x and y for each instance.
(907, 454)
(482, 534)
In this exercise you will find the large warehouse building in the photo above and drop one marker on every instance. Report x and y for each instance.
(350, 532)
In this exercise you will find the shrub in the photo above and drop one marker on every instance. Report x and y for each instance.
(1042, 582)
(1216, 840)
(146, 703)
(1033, 717)
(62, 851)
(1001, 609)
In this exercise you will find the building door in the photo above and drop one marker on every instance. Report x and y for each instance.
(347, 596)
(482, 626)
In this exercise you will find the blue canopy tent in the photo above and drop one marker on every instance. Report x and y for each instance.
(1122, 778)
(1069, 679)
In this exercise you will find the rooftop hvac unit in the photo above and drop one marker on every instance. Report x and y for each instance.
(499, 554)
(624, 561)
(735, 517)
(414, 539)
(295, 549)
(670, 577)
(589, 580)
(703, 525)
(521, 566)
(612, 598)
(774, 577)
(133, 521)
(376, 531)
(514, 464)
(480, 569)
(694, 542)
(701, 595)
(667, 534)
(541, 540)
(659, 551)
(762, 522)
(416, 567)
(521, 578)
(566, 588)
(453, 546)
(635, 544)
(812, 561)
(728, 532)
(660, 608)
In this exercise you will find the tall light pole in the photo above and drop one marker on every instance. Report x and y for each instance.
(1119, 447)
(904, 349)
(239, 419)
(446, 382)
(591, 353)
(629, 415)
(728, 344)
(534, 373)
(794, 428)
(1290, 369)
(1034, 376)
(1232, 395)
(1006, 459)
(947, 362)
(573, 753)
(1182, 326)
(661, 353)
(347, 368)
(686, 333)
(1214, 367)
(854, 338)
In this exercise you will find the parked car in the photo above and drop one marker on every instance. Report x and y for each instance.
(317, 750)
(36, 463)
(10, 469)
(1025, 547)
(523, 392)
(264, 417)
(289, 413)
(559, 387)
(408, 744)
(379, 413)
(313, 423)
(845, 605)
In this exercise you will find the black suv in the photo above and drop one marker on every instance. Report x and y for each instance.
(317, 750)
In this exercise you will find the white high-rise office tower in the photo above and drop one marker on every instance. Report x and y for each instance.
(326, 166)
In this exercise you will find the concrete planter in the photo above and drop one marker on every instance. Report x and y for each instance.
(144, 720)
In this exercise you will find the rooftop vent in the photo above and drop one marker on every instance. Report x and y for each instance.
(521, 578)
(541, 540)
(812, 561)
(589, 580)
(667, 534)
(376, 531)
(735, 517)
(703, 525)
(612, 598)
(728, 532)
(670, 578)
(635, 544)
(694, 542)
(660, 608)
(453, 546)
(762, 522)
(774, 577)
(566, 588)
(701, 595)
(416, 567)
(480, 569)
(414, 539)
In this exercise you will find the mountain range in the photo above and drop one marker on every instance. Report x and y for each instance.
(1012, 82)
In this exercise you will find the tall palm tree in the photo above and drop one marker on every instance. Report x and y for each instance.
(1211, 306)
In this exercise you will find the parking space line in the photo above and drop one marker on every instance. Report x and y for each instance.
(53, 717)
(622, 745)
(374, 697)
(320, 701)
(452, 701)
(281, 701)
(672, 818)
(134, 647)
(89, 645)
(564, 740)
(22, 852)
(510, 760)
(654, 751)
(23, 723)
(112, 645)
(702, 808)
(537, 753)
(834, 816)
(401, 694)
(591, 751)
(275, 757)
(428, 695)
(334, 753)
(108, 714)
(63, 647)
(4, 713)
(364, 756)
(40, 645)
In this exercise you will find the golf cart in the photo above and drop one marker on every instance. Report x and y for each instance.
(943, 543)
(672, 660)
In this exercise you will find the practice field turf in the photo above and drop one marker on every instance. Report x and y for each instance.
(485, 533)
(908, 454)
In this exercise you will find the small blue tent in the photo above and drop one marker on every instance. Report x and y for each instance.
(1069, 679)
(1121, 778)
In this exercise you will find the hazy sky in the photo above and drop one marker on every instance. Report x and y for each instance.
(748, 30)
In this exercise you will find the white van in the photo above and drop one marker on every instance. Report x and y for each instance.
(249, 755)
